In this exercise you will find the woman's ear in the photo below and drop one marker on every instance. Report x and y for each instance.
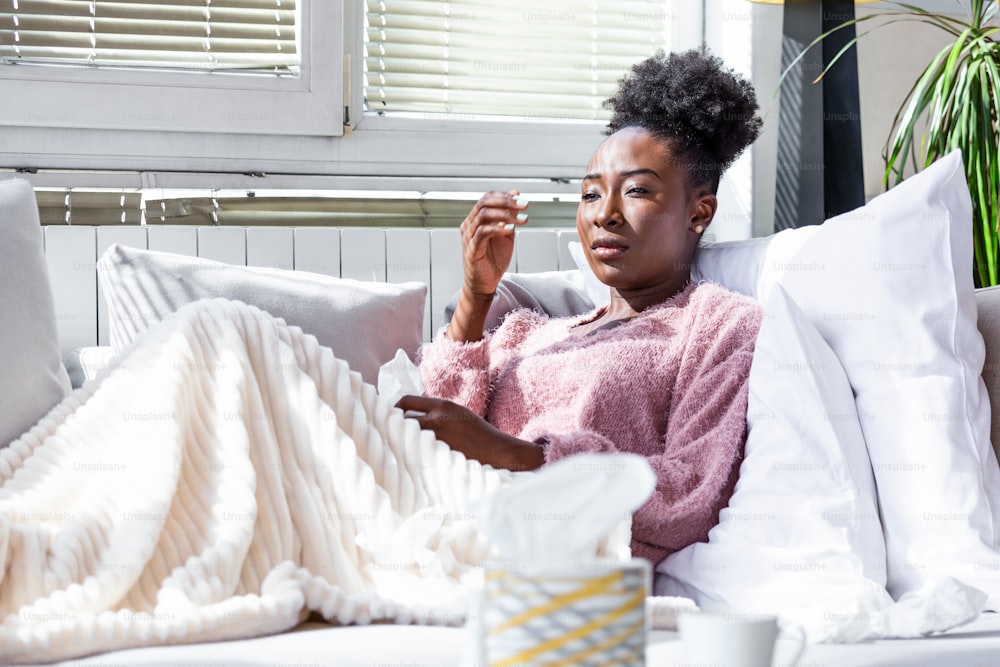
(703, 209)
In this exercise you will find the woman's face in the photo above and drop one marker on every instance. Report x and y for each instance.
(636, 220)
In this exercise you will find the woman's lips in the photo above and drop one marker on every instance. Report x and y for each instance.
(607, 249)
(608, 252)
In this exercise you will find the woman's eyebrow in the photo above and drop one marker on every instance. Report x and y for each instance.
(624, 174)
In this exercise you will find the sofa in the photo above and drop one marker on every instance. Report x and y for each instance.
(867, 502)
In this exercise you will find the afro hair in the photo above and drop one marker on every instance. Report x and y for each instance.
(706, 112)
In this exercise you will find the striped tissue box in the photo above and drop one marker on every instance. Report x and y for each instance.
(589, 613)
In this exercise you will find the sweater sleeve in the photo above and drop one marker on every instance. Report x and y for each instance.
(706, 430)
(463, 372)
(456, 371)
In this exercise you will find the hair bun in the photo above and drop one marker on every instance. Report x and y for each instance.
(707, 110)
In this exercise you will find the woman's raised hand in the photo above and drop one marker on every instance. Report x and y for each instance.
(487, 248)
(488, 240)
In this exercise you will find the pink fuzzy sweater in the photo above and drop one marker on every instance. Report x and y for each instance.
(670, 385)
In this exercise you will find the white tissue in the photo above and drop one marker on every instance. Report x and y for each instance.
(399, 377)
(560, 513)
(941, 604)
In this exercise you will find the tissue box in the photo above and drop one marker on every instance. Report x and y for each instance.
(590, 613)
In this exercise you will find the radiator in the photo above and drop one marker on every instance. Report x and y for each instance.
(430, 256)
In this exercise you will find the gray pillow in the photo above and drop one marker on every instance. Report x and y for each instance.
(363, 322)
(32, 378)
(552, 293)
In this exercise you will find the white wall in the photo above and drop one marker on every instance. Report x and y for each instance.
(729, 35)
(889, 61)
(766, 71)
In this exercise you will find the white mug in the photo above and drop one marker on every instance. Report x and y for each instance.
(729, 639)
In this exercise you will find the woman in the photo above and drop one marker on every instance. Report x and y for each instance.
(662, 370)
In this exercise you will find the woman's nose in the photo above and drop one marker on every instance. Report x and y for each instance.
(609, 212)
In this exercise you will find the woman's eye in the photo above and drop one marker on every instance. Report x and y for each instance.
(588, 196)
(636, 190)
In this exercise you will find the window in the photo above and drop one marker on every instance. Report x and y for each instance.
(381, 95)
(248, 35)
(110, 84)
(555, 60)
(155, 119)
(466, 87)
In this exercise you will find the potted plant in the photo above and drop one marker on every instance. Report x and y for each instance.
(954, 103)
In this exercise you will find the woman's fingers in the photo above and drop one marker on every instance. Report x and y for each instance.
(495, 212)
(488, 238)
(434, 409)
(434, 414)
(501, 200)
(417, 403)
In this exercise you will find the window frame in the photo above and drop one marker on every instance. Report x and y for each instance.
(397, 145)
(83, 107)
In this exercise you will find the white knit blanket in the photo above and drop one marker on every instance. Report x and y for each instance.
(226, 478)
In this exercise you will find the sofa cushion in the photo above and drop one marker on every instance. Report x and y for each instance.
(32, 378)
(988, 309)
(365, 323)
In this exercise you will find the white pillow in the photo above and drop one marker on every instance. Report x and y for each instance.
(801, 536)
(889, 287)
(365, 323)
(597, 291)
(32, 378)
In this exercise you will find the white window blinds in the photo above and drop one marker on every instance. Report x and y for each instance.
(553, 60)
(186, 34)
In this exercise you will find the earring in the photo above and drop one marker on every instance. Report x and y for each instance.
(698, 229)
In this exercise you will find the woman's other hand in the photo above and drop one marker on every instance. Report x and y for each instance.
(468, 433)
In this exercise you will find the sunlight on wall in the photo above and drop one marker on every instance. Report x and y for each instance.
(729, 34)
